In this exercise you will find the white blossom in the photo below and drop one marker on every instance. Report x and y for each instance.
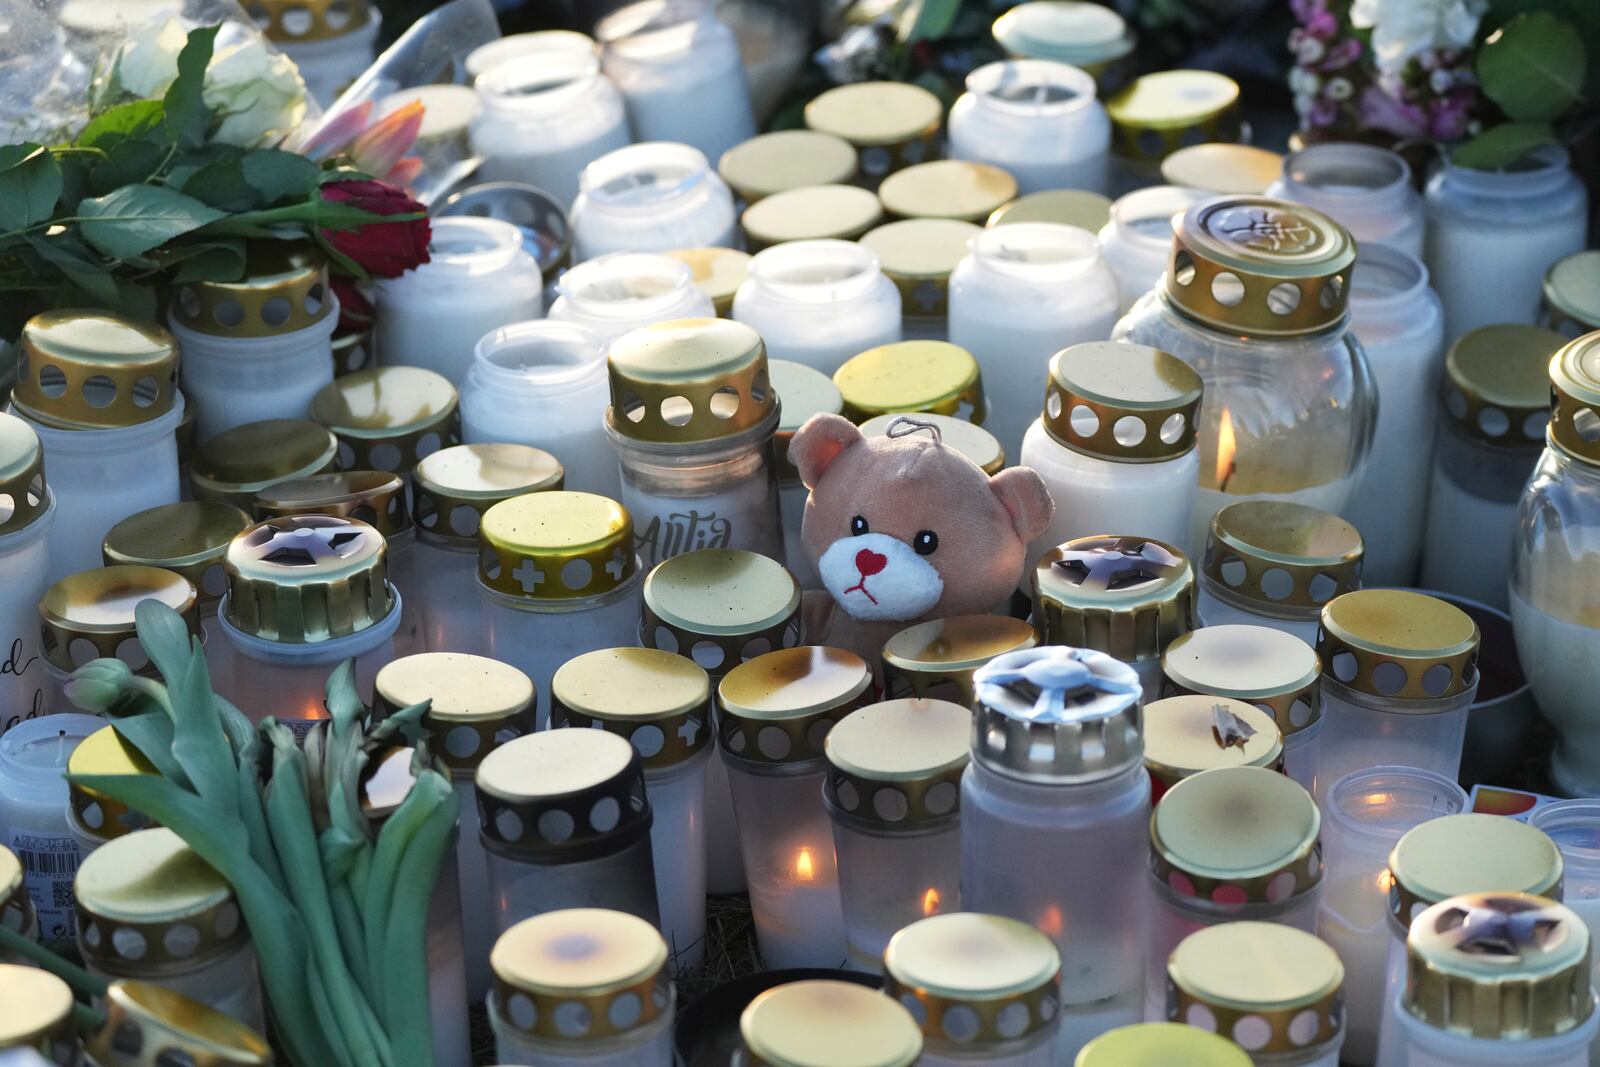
(148, 64)
(257, 94)
(1403, 29)
(1339, 89)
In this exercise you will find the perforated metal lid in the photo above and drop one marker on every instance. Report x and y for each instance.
(947, 189)
(689, 380)
(920, 659)
(1188, 735)
(150, 1026)
(720, 606)
(389, 418)
(778, 708)
(811, 213)
(1057, 715)
(1279, 988)
(1399, 645)
(1273, 670)
(188, 538)
(564, 795)
(98, 606)
(1575, 398)
(556, 546)
(35, 1005)
(1161, 1045)
(23, 496)
(1497, 384)
(1281, 558)
(907, 377)
(80, 369)
(1126, 596)
(659, 702)
(307, 578)
(475, 703)
(897, 764)
(1120, 401)
(1455, 855)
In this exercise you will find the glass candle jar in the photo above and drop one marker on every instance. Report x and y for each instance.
(819, 302)
(34, 756)
(1235, 843)
(517, 46)
(141, 1016)
(811, 213)
(97, 390)
(1277, 991)
(891, 125)
(93, 818)
(1366, 189)
(692, 418)
(1157, 1043)
(947, 189)
(1276, 564)
(1065, 207)
(1396, 315)
(1036, 119)
(1496, 409)
(1086, 35)
(1023, 293)
(717, 272)
(25, 524)
(622, 291)
(786, 159)
(918, 255)
(1399, 671)
(818, 1022)
(331, 44)
(1136, 240)
(610, 964)
(1574, 825)
(802, 393)
(1223, 168)
(557, 576)
(149, 908)
(1126, 597)
(1115, 443)
(910, 377)
(305, 594)
(36, 1013)
(545, 116)
(659, 703)
(16, 907)
(983, 988)
(389, 418)
(775, 713)
(1256, 283)
(893, 792)
(1189, 735)
(1157, 114)
(1572, 295)
(478, 278)
(937, 659)
(650, 197)
(1522, 220)
(237, 464)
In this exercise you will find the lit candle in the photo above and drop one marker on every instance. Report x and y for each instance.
(24, 571)
(33, 813)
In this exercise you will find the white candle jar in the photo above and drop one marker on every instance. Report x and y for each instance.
(622, 291)
(1036, 119)
(478, 278)
(1162, 1043)
(557, 577)
(36, 1017)
(1157, 114)
(16, 907)
(817, 1022)
(610, 965)
(1189, 735)
(141, 1015)
(936, 660)
(1521, 219)
(237, 464)
(717, 272)
(813, 213)
(1086, 35)
(1204, 871)
(1223, 168)
(775, 711)
(679, 69)
(1553, 582)
(33, 815)
(1397, 317)
(786, 159)
(1137, 239)
(331, 44)
(818, 303)
(1572, 295)
(1399, 672)
(912, 377)
(451, 490)
(692, 418)
(543, 117)
(893, 792)
(659, 703)
(650, 197)
(389, 418)
(97, 389)
(1056, 775)
(1574, 825)
(1496, 410)
(1276, 991)
(28, 515)
(918, 255)
(1125, 597)
(1252, 283)
(984, 989)
(1275, 672)
(947, 189)
(305, 594)
(1023, 293)
(1066, 207)
(150, 909)
(802, 393)
(1115, 444)
(1366, 189)
(93, 818)
(518, 46)
(891, 125)
(260, 347)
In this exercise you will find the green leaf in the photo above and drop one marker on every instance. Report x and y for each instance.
(927, 20)
(223, 186)
(1501, 146)
(137, 301)
(129, 162)
(132, 119)
(187, 114)
(30, 185)
(71, 260)
(1533, 67)
(136, 218)
(215, 261)
(279, 175)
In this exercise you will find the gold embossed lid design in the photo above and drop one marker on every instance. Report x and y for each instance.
(918, 256)
(1068, 207)
(238, 463)
(98, 605)
(475, 702)
(974, 442)
(802, 392)
(1470, 852)
(1284, 979)
(104, 752)
(1159, 113)
(1497, 384)
(24, 497)
(1575, 409)
(786, 159)
(1269, 668)
(1223, 168)
(35, 1006)
(1399, 645)
(1280, 558)
(377, 498)
(812, 213)
(897, 764)
(658, 701)
(741, 603)
(1161, 1045)
(284, 290)
(304, 579)
(88, 370)
(389, 418)
(1572, 291)
(1187, 735)
(1120, 401)
(778, 707)
(828, 1023)
(689, 381)
(947, 189)
(169, 1027)
(1126, 596)
(556, 545)
(295, 21)
(454, 486)
(718, 272)
(188, 538)
(907, 377)
(921, 658)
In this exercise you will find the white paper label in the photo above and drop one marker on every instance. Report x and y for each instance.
(49, 864)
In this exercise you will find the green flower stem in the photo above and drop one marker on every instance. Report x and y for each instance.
(87, 1020)
(378, 895)
(406, 935)
(76, 977)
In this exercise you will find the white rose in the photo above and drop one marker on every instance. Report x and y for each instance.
(1404, 29)
(257, 94)
(146, 66)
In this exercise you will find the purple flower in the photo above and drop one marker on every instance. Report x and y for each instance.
(1341, 55)
(1323, 113)
(1304, 10)
(1448, 122)
(1378, 110)
(1322, 25)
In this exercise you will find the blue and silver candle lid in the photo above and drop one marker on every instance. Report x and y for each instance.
(1057, 715)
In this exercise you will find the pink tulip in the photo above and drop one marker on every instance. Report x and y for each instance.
(384, 144)
(339, 132)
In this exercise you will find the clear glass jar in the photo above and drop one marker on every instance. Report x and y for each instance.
(1087, 35)
(517, 46)
(818, 303)
(237, 464)
(25, 528)
(918, 255)
(1137, 240)
(140, 1015)
(1572, 295)
(812, 213)
(1190, 734)
(36, 1015)
(1162, 1042)
(891, 124)
(622, 291)
(1036, 119)
(331, 47)
(93, 818)
(1493, 234)
(389, 418)
(912, 377)
(802, 393)
(1574, 825)
(824, 1021)
(1159, 113)
(1218, 168)
(937, 659)
(775, 162)
(650, 197)
(1364, 188)
(34, 824)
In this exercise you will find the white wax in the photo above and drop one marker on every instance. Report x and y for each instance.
(1329, 496)
(24, 577)
(619, 292)
(678, 849)
(1354, 919)
(537, 638)
(1467, 549)
(1421, 1045)
(1561, 661)
(446, 584)
(329, 66)
(651, 197)
(235, 380)
(33, 813)
(1137, 240)
(1038, 120)
(648, 1046)
(818, 302)
(889, 880)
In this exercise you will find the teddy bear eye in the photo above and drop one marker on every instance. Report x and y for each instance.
(858, 526)
(926, 543)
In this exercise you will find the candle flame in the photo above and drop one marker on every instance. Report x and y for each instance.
(1227, 448)
(804, 868)
(1052, 923)
(1384, 881)
(930, 902)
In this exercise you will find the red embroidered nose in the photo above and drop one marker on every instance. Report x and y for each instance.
(869, 562)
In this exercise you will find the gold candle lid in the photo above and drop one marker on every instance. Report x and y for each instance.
(377, 498)
(1223, 168)
(1237, 835)
(16, 907)
(1120, 401)
(556, 545)
(35, 1008)
(890, 124)
(907, 377)
(1069, 207)
(947, 189)
(1161, 1045)
(923, 659)
(918, 256)
(92, 370)
(825, 1023)
(305, 579)
(188, 538)
(23, 494)
(688, 381)
(786, 159)
(1260, 267)
(1572, 291)
(1273, 670)
(1084, 35)
(964, 968)
(779, 707)
(1129, 597)
(1455, 855)
(567, 794)
(897, 764)
(1575, 407)
(97, 606)
(105, 752)
(1497, 384)
(611, 964)
(297, 21)
(1272, 987)
(1187, 735)
(802, 392)
(148, 1025)
(657, 701)
(974, 442)
(811, 213)
(1281, 557)
(284, 290)
(1159, 113)
(719, 607)
(1503, 966)
(453, 487)
(238, 463)
(389, 418)
(717, 272)
(475, 704)
(1399, 645)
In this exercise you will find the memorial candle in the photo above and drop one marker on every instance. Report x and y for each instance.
(33, 814)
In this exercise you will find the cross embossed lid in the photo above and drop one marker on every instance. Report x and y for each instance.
(556, 545)
(1125, 596)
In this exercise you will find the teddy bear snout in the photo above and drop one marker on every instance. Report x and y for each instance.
(875, 576)
(869, 562)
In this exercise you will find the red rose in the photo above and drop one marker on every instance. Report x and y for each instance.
(383, 249)
(355, 310)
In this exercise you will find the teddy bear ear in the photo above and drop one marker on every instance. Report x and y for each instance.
(818, 442)
(1024, 495)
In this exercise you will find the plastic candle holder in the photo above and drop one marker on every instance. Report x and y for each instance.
(650, 197)
(92, 817)
(786, 159)
(1189, 735)
(36, 1014)
(823, 1021)
(33, 814)
(142, 1015)
(389, 418)
(1223, 168)
(1368, 190)
(1137, 239)
(891, 125)
(24, 570)
(1157, 114)
(811, 213)
(802, 393)
(918, 255)
(622, 291)
(1572, 825)
(818, 303)
(937, 659)
(237, 464)
(1037, 120)
(516, 46)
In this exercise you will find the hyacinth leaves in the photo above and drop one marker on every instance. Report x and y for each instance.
(337, 910)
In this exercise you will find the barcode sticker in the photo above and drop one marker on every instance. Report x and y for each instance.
(49, 864)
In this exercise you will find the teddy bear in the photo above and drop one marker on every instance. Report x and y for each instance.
(903, 529)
